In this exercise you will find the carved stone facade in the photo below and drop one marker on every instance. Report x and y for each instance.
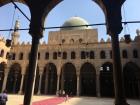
(3, 50)
(75, 61)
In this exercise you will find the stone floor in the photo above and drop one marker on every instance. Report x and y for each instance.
(18, 99)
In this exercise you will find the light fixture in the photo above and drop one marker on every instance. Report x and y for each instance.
(101, 68)
(107, 68)
(127, 38)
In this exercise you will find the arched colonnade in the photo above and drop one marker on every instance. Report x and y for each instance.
(87, 82)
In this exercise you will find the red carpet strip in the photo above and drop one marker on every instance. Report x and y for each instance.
(50, 101)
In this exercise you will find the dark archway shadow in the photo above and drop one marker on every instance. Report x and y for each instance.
(106, 80)
(70, 78)
(131, 73)
(87, 80)
(49, 79)
(14, 78)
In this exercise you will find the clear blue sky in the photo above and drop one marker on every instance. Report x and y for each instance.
(86, 9)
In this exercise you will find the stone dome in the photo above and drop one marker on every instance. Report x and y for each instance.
(75, 21)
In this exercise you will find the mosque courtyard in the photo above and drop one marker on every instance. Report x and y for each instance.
(18, 100)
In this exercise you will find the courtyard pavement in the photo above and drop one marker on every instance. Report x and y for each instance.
(18, 100)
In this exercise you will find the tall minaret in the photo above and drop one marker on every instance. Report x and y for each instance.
(138, 32)
(15, 34)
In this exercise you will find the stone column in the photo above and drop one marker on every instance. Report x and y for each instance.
(78, 85)
(46, 83)
(39, 87)
(117, 72)
(5, 78)
(21, 84)
(78, 81)
(98, 85)
(98, 67)
(58, 78)
(62, 81)
(33, 60)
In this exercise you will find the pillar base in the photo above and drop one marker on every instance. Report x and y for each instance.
(20, 92)
(39, 93)
(78, 94)
(98, 94)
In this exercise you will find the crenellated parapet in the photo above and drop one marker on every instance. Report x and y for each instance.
(2, 39)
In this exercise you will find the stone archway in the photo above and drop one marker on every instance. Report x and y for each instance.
(88, 80)
(49, 79)
(106, 80)
(36, 80)
(112, 10)
(131, 74)
(14, 78)
(69, 78)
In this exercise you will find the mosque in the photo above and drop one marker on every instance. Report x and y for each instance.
(73, 60)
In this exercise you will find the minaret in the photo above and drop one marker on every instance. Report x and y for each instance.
(138, 32)
(15, 34)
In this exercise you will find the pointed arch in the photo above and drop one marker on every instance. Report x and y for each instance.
(88, 80)
(131, 73)
(14, 78)
(106, 80)
(49, 79)
(69, 79)
(36, 80)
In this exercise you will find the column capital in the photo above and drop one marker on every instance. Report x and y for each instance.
(23, 71)
(78, 73)
(41, 67)
(78, 70)
(6, 73)
(40, 72)
(78, 67)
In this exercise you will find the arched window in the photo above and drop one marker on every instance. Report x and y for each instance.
(83, 55)
(72, 41)
(54, 55)
(21, 56)
(7, 55)
(59, 54)
(124, 54)
(63, 41)
(91, 54)
(64, 55)
(102, 55)
(13, 56)
(38, 55)
(135, 53)
(73, 55)
(80, 40)
(2, 53)
(46, 55)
